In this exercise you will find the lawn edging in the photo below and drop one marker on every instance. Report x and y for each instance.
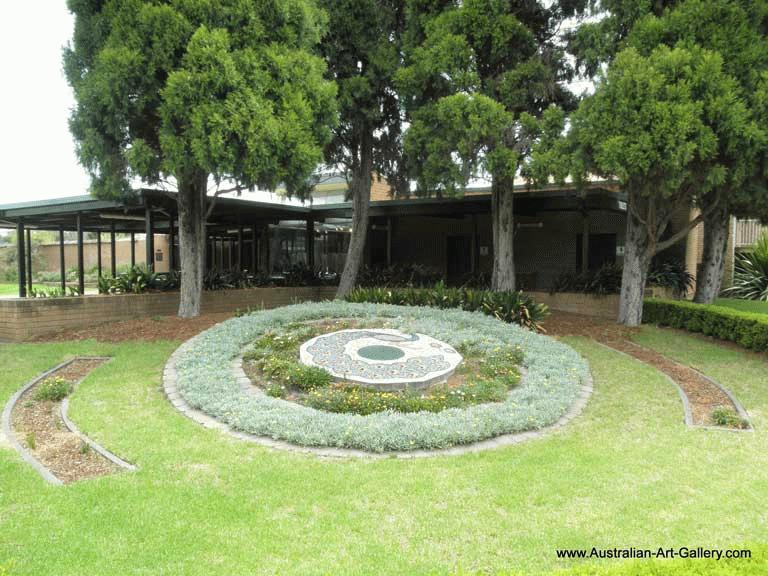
(747, 329)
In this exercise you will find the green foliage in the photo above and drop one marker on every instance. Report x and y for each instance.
(52, 389)
(750, 276)
(514, 307)
(496, 376)
(363, 52)
(656, 122)
(286, 371)
(31, 440)
(604, 280)
(479, 73)
(188, 88)
(724, 416)
(398, 275)
(670, 274)
(746, 329)
(48, 292)
(138, 280)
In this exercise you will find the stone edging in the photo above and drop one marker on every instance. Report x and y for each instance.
(684, 397)
(92, 443)
(169, 387)
(25, 454)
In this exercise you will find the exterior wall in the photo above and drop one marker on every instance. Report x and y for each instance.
(545, 245)
(543, 253)
(26, 319)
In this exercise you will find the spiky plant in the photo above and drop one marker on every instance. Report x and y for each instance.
(750, 277)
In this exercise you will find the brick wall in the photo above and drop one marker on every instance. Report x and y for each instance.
(22, 320)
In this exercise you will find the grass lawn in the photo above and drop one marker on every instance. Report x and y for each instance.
(757, 306)
(625, 473)
(13, 289)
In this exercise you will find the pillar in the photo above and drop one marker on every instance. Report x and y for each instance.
(21, 259)
(254, 247)
(62, 267)
(133, 249)
(113, 250)
(80, 259)
(309, 244)
(171, 242)
(149, 243)
(98, 252)
(585, 242)
(240, 249)
(29, 260)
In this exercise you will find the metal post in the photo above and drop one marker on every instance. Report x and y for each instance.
(113, 250)
(21, 259)
(29, 260)
(240, 249)
(98, 251)
(80, 263)
(133, 250)
(475, 243)
(254, 253)
(310, 243)
(62, 267)
(231, 255)
(171, 242)
(585, 243)
(149, 242)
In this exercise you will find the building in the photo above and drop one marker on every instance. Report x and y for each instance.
(558, 229)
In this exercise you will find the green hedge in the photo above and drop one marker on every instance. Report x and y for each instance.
(748, 330)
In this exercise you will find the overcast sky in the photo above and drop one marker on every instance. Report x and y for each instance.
(37, 154)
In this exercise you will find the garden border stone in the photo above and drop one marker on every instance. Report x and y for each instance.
(7, 424)
(171, 388)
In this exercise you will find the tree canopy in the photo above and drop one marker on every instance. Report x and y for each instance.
(182, 91)
(478, 74)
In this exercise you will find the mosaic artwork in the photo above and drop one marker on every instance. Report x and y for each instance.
(382, 358)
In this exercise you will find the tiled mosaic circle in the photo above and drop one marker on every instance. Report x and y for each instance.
(382, 358)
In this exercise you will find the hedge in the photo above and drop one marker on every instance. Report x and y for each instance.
(744, 328)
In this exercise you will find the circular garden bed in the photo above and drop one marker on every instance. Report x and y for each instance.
(511, 380)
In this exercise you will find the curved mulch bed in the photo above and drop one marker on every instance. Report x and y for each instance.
(702, 395)
(46, 438)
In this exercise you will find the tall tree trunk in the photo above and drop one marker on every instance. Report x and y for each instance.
(713, 263)
(191, 204)
(361, 201)
(503, 219)
(637, 257)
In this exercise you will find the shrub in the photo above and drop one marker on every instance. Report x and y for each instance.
(398, 276)
(723, 416)
(513, 307)
(670, 274)
(54, 389)
(750, 275)
(290, 372)
(747, 329)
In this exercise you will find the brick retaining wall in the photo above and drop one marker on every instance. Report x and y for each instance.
(25, 319)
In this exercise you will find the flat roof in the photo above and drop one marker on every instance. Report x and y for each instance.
(130, 215)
